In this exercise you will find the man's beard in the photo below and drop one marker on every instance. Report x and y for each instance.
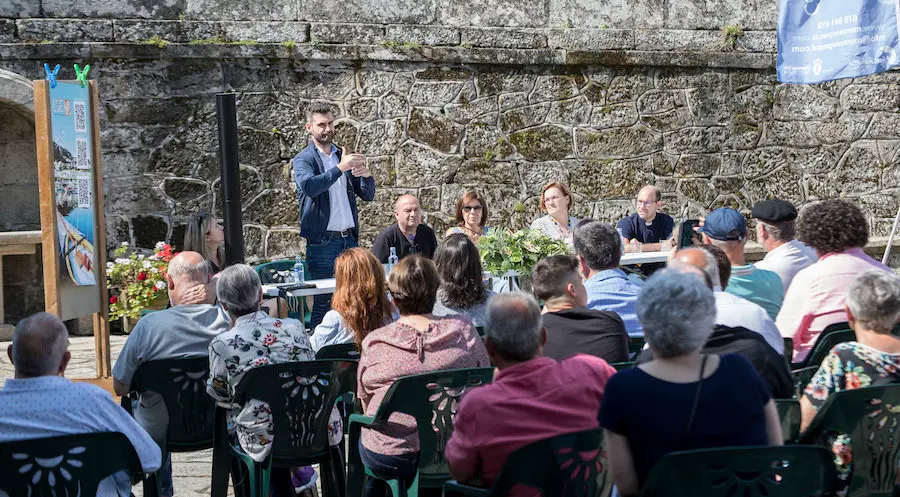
(324, 139)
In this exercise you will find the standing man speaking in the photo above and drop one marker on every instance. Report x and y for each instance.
(328, 182)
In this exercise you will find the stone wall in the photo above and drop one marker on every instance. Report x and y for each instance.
(443, 96)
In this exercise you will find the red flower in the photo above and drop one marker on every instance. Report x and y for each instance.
(155, 289)
(113, 299)
(142, 276)
(853, 381)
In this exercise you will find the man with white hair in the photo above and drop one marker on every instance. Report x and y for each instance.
(181, 331)
(408, 235)
(39, 402)
(531, 398)
(776, 229)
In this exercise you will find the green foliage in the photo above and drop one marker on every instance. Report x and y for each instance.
(568, 24)
(157, 42)
(136, 281)
(732, 33)
(503, 251)
(289, 44)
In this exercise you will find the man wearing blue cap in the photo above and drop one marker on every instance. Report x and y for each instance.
(727, 229)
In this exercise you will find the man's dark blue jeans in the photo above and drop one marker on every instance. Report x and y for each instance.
(320, 260)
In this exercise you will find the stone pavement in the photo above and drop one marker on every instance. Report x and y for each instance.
(191, 470)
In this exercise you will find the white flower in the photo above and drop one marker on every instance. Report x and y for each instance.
(121, 260)
(110, 265)
(154, 270)
(147, 265)
(160, 285)
(159, 246)
(124, 244)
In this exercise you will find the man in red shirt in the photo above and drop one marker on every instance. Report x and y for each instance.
(532, 397)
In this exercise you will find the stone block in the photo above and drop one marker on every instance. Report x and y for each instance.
(503, 37)
(422, 35)
(590, 39)
(254, 246)
(381, 137)
(310, 81)
(434, 130)
(7, 30)
(485, 140)
(679, 40)
(433, 94)
(617, 143)
(393, 12)
(430, 199)
(785, 183)
(698, 190)
(547, 142)
(363, 34)
(284, 244)
(419, 166)
(714, 14)
(628, 87)
(537, 174)
(657, 101)
(884, 125)
(524, 117)
(273, 208)
(609, 116)
(266, 31)
(667, 121)
(758, 41)
(81, 30)
(499, 83)
(382, 170)
(788, 133)
(607, 179)
(512, 13)
(804, 102)
(120, 137)
(20, 9)
(362, 109)
(571, 112)
(475, 171)
(184, 189)
(874, 97)
(150, 111)
(140, 9)
(556, 87)
(705, 165)
(695, 140)
(148, 230)
(590, 14)
(611, 211)
(465, 112)
(240, 10)
(171, 31)
(393, 105)
(123, 164)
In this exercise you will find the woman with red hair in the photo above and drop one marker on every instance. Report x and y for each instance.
(556, 201)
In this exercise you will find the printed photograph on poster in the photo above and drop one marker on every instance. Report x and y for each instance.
(73, 169)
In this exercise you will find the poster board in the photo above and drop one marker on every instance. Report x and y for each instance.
(70, 177)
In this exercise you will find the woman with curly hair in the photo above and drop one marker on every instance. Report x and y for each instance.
(360, 302)
(838, 231)
(462, 288)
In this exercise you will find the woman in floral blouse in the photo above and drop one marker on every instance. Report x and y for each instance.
(873, 309)
(254, 340)
(416, 343)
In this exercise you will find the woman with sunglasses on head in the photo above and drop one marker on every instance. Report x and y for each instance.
(556, 201)
(471, 216)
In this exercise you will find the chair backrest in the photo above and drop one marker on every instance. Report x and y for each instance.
(789, 349)
(832, 335)
(619, 366)
(275, 271)
(301, 396)
(182, 385)
(635, 346)
(802, 378)
(339, 351)
(65, 465)
(789, 414)
(871, 417)
(778, 471)
(433, 399)
(570, 465)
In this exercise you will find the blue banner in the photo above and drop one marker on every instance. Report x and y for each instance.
(822, 40)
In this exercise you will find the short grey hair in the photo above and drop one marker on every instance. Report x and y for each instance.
(238, 289)
(783, 231)
(178, 268)
(677, 311)
(38, 345)
(710, 267)
(874, 299)
(598, 243)
(513, 325)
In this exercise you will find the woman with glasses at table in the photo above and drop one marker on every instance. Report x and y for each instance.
(556, 200)
(471, 216)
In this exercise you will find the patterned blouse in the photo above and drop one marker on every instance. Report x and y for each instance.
(399, 350)
(850, 365)
(257, 340)
(548, 226)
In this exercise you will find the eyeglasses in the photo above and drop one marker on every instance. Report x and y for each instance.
(553, 199)
(470, 208)
(646, 203)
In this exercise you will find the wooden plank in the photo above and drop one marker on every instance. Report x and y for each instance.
(17, 249)
(43, 135)
(20, 237)
(101, 319)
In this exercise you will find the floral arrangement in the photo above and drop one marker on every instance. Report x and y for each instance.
(136, 280)
(503, 251)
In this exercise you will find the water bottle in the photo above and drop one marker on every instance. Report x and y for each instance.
(299, 276)
(392, 259)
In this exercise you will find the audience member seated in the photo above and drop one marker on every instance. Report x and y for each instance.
(360, 302)
(255, 339)
(775, 230)
(571, 327)
(416, 343)
(838, 231)
(183, 330)
(556, 201)
(462, 290)
(599, 249)
(408, 235)
(683, 399)
(726, 228)
(648, 226)
(39, 402)
(771, 365)
(873, 309)
(471, 216)
(531, 398)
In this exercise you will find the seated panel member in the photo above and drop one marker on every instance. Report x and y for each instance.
(408, 235)
(648, 225)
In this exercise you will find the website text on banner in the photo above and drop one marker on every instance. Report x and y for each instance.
(822, 40)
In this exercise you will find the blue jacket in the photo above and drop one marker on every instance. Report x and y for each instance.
(312, 192)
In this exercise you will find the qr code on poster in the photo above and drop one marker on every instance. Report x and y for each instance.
(82, 160)
(84, 192)
(80, 117)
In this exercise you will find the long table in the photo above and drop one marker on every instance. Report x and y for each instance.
(326, 286)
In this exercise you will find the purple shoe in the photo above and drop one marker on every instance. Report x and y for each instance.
(303, 478)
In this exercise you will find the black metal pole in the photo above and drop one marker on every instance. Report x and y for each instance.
(230, 184)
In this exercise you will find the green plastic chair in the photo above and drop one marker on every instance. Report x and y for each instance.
(789, 349)
(339, 351)
(635, 346)
(275, 272)
(571, 465)
(182, 385)
(301, 396)
(65, 465)
(802, 378)
(480, 330)
(785, 471)
(870, 416)
(832, 335)
(619, 366)
(789, 414)
(431, 398)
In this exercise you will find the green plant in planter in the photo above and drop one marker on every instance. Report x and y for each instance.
(136, 281)
(503, 251)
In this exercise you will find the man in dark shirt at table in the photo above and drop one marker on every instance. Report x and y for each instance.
(648, 226)
(408, 235)
(571, 327)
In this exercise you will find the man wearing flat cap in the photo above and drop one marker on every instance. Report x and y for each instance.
(775, 230)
